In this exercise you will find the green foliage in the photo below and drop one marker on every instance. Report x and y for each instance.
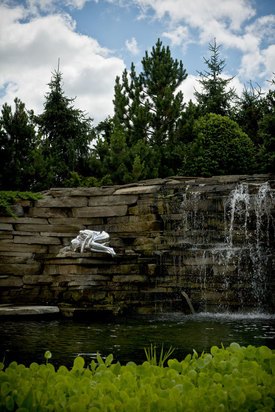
(148, 108)
(249, 112)
(215, 96)
(267, 132)
(76, 180)
(152, 356)
(65, 134)
(151, 134)
(119, 162)
(220, 147)
(17, 146)
(226, 379)
(9, 198)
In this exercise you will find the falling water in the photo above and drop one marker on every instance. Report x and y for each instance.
(250, 212)
(222, 255)
(236, 206)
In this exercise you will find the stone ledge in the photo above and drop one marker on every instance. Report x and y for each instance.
(10, 310)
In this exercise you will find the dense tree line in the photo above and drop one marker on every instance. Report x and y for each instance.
(152, 133)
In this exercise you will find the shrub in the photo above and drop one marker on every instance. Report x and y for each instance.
(226, 379)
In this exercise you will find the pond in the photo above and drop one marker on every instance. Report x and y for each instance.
(26, 340)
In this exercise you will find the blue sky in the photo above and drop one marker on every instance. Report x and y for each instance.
(96, 39)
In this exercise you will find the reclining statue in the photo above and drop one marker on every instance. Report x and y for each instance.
(92, 240)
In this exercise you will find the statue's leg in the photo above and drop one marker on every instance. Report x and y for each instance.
(98, 247)
(84, 244)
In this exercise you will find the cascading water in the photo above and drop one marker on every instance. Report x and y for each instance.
(223, 257)
(236, 206)
(250, 245)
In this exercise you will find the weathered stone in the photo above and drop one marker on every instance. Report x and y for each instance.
(10, 259)
(137, 190)
(37, 280)
(38, 240)
(5, 226)
(66, 236)
(27, 220)
(100, 211)
(5, 236)
(28, 310)
(47, 212)
(15, 254)
(19, 269)
(18, 210)
(66, 228)
(115, 199)
(81, 191)
(76, 221)
(142, 226)
(13, 247)
(130, 279)
(11, 282)
(169, 235)
(62, 202)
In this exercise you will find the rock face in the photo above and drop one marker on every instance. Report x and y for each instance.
(211, 238)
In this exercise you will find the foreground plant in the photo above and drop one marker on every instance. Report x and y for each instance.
(152, 357)
(226, 379)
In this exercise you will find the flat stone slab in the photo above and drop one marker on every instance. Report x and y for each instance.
(11, 310)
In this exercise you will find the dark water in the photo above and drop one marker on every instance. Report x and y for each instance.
(27, 340)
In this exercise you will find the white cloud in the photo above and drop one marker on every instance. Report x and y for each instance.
(78, 4)
(37, 6)
(188, 87)
(132, 46)
(178, 37)
(269, 58)
(29, 53)
(198, 13)
(229, 21)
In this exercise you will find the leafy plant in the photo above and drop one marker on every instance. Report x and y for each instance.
(152, 357)
(228, 379)
(9, 198)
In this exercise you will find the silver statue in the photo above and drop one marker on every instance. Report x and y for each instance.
(92, 240)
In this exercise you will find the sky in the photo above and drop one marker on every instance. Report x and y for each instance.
(93, 41)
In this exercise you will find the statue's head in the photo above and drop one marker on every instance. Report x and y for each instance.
(76, 244)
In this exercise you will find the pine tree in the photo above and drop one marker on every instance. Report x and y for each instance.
(65, 135)
(148, 107)
(267, 132)
(215, 96)
(17, 146)
(249, 112)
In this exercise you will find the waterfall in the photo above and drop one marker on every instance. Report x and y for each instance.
(236, 206)
(221, 254)
(247, 235)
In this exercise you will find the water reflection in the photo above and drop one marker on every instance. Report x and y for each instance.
(27, 340)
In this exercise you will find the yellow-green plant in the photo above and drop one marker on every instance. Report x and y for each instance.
(152, 356)
(228, 379)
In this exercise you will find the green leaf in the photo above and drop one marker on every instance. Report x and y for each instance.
(79, 363)
(109, 360)
(47, 355)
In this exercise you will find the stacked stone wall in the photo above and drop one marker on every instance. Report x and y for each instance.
(168, 234)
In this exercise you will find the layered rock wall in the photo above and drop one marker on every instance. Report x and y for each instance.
(210, 238)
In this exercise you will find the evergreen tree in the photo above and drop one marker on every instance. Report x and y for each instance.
(17, 146)
(215, 96)
(267, 132)
(65, 135)
(148, 107)
(249, 112)
(115, 161)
